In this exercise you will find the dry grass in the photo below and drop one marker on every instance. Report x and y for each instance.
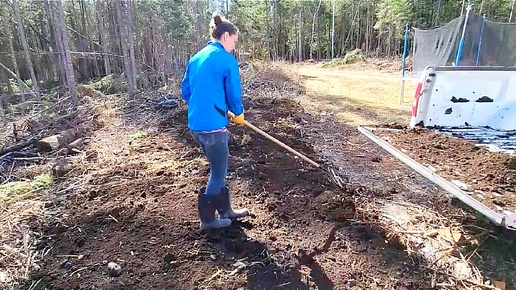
(435, 241)
(355, 96)
(18, 254)
(27, 184)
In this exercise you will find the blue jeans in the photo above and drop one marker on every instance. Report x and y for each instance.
(215, 148)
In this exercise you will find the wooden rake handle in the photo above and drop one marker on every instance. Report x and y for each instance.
(283, 145)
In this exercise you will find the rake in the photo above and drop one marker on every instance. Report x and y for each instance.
(335, 178)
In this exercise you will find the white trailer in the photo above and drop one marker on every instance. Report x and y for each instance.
(465, 97)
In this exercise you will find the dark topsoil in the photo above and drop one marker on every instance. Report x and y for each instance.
(490, 176)
(141, 213)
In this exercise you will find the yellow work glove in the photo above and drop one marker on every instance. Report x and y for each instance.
(239, 120)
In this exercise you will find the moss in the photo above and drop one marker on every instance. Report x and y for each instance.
(15, 188)
(138, 135)
(43, 181)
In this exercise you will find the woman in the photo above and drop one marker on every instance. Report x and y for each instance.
(211, 87)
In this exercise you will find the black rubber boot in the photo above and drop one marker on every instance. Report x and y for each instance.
(207, 205)
(225, 210)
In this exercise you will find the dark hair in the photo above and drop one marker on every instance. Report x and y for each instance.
(220, 25)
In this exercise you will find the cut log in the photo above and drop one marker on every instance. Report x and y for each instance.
(16, 77)
(49, 144)
(72, 147)
(60, 140)
(76, 144)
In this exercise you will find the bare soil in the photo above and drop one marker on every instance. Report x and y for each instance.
(129, 196)
(138, 209)
(489, 176)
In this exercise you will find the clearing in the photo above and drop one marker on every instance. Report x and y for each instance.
(128, 196)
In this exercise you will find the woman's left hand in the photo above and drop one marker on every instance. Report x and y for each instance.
(239, 120)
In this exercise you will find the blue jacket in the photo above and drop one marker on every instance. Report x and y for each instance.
(211, 87)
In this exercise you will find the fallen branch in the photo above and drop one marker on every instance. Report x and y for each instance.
(214, 276)
(21, 145)
(17, 78)
(23, 159)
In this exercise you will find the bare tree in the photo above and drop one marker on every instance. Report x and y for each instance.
(132, 62)
(2, 113)
(25, 48)
(55, 43)
(103, 36)
(300, 40)
(10, 72)
(125, 38)
(63, 40)
(333, 29)
(5, 79)
(313, 29)
(512, 10)
(14, 62)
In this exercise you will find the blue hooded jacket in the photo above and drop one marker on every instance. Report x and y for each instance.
(211, 87)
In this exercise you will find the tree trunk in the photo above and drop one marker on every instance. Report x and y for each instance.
(55, 37)
(274, 30)
(300, 41)
(367, 42)
(91, 28)
(103, 37)
(63, 139)
(15, 76)
(333, 29)
(10, 91)
(389, 41)
(359, 31)
(45, 67)
(70, 76)
(438, 14)
(21, 84)
(132, 61)
(26, 48)
(116, 45)
(125, 42)
(122, 38)
(5, 78)
(513, 8)
(313, 30)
